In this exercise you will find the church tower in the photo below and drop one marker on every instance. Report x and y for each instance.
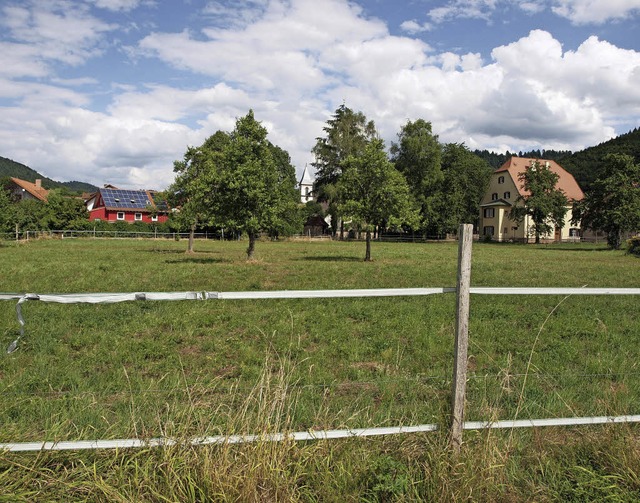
(306, 186)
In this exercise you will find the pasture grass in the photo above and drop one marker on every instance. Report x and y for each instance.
(185, 369)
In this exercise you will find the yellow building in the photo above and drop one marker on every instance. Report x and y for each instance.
(502, 195)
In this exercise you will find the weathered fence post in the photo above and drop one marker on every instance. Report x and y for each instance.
(465, 238)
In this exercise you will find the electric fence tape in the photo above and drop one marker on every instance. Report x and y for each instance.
(109, 298)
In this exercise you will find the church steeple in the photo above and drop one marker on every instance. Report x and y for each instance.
(306, 186)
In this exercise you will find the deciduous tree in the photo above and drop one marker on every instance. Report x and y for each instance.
(542, 200)
(374, 193)
(613, 203)
(190, 192)
(418, 156)
(465, 180)
(346, 134)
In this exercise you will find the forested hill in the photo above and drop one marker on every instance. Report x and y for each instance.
(17, 170)
(497, 160)
(586, 164)
(583, 165)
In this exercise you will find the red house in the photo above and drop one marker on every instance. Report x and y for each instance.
(120, 205)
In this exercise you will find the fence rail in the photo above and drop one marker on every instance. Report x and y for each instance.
(462, 292)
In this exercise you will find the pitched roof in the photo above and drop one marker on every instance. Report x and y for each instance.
(36, 191)
(124, 199)
(517, 165)
(306, 177)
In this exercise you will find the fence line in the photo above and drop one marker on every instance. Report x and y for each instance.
(462, 290)
(132, 443)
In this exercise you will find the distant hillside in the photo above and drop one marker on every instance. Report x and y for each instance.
(497, 160)
(587, 164)
(583, 165)
(15, 169)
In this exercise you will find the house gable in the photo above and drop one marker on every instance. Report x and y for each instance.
(28, 190)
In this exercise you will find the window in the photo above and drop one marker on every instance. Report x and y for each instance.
(501, 179)
(574, 232)
(488, 230)
(120, 215)
(494, 196)
(154, 218)
(507, 195)
(138, 217)
(489, 213)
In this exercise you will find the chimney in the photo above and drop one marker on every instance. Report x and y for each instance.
(38, 183)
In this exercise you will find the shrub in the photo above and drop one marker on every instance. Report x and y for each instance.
(633, 246)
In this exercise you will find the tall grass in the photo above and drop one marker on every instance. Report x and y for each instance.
(189, 369)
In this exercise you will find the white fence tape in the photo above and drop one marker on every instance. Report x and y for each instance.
(108, 298)
(102, 298)
(132, 443)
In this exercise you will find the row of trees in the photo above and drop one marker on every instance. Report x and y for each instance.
(242, 182)
(424, 186)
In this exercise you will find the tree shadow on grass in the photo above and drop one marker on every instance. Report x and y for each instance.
(581, 249)
(333, 258)
(190, 259)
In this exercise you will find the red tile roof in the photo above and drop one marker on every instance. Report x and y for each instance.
(35, 190)
(517, 165)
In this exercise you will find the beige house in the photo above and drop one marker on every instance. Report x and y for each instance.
(501, 196)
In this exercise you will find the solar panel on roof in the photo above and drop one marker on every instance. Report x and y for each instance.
(120, 198)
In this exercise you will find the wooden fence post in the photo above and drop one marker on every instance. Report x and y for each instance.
(465, 238)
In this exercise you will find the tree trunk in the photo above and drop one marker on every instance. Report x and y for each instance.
(367, 255)
(341, 230)
(192, 232)
(537, 237)
(252, 245)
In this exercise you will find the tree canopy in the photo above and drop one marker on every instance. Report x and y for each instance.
(374, 193)
(543, 201)
(613, 203)
(418, 156)
(465, 180)
(239, 181)
(347, 134)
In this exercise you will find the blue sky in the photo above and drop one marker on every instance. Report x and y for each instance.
(113, 91)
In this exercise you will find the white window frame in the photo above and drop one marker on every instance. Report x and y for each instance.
(137, 217)
(154, 218)
(120, 215)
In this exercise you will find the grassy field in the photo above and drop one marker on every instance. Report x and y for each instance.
(147, 369)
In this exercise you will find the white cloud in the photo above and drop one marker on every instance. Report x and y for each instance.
(595, 11)
(118, 5)
(412, 27)
(477, 9)
(294, 64)
(55, 30)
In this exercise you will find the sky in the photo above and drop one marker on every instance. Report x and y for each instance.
(114, 91)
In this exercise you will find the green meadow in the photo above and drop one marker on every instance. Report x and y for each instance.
(193, 368)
